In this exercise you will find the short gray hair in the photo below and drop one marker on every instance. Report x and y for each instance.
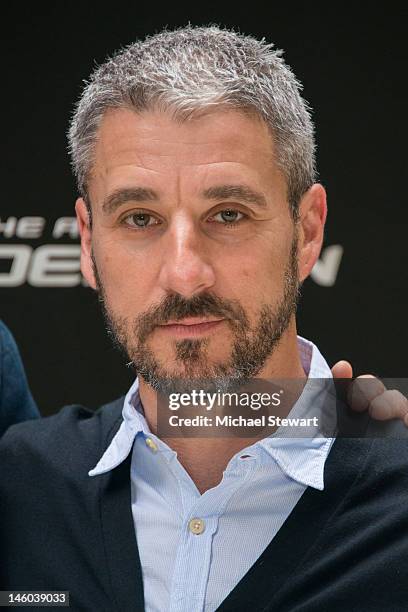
(191, 70)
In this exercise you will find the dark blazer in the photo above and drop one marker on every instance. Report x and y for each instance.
(344, 548)
(16, 402)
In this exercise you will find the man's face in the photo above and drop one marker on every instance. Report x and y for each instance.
(192, 247)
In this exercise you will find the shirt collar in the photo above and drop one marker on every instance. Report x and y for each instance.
(302, 459)
(133, 423)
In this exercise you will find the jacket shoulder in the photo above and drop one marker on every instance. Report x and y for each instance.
(75, 435)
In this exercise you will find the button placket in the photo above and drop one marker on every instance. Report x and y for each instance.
(192, 565)
(151, 444)
(196, 526)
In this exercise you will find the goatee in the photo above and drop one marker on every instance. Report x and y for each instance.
(250, 347)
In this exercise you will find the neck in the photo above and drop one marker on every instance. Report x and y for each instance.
(205, 459)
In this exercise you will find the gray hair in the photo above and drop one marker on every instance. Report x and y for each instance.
(192, 70)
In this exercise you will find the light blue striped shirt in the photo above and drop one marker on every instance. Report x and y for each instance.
(188, 572)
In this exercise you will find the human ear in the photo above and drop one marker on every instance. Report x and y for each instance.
(312, 218)
(85, 231)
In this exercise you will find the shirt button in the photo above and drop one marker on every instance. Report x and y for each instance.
(151, 444)
(196, 526)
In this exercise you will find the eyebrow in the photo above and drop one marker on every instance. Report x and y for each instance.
(218, 192)
(239, 192)
(121, 196)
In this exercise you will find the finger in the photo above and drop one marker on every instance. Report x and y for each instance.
(363, 390)
(389, 405)
(342, 369)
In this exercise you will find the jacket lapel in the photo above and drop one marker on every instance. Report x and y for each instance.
(120, 539)
(282, 557)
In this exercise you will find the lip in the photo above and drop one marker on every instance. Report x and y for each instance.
(191, 326)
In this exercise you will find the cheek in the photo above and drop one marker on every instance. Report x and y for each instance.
(122, 283)
(117, 266)
(261, 269)
(258, 280)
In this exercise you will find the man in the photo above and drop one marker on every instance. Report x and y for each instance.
(200, 218)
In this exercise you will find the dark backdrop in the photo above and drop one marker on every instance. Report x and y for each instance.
(354, 68)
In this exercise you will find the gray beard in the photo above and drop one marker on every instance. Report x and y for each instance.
(250, 349)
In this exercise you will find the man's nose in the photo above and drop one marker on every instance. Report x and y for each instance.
(186, 267)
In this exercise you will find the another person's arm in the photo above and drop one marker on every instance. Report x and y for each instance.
(16, 401)
(383, 404)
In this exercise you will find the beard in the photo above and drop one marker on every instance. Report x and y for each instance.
(250, 348)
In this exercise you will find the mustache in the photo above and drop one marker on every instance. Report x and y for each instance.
(175, 307)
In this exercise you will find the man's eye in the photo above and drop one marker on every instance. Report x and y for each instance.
(140, 220)
(227, 216)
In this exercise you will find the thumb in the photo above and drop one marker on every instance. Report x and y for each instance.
(342, 369)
